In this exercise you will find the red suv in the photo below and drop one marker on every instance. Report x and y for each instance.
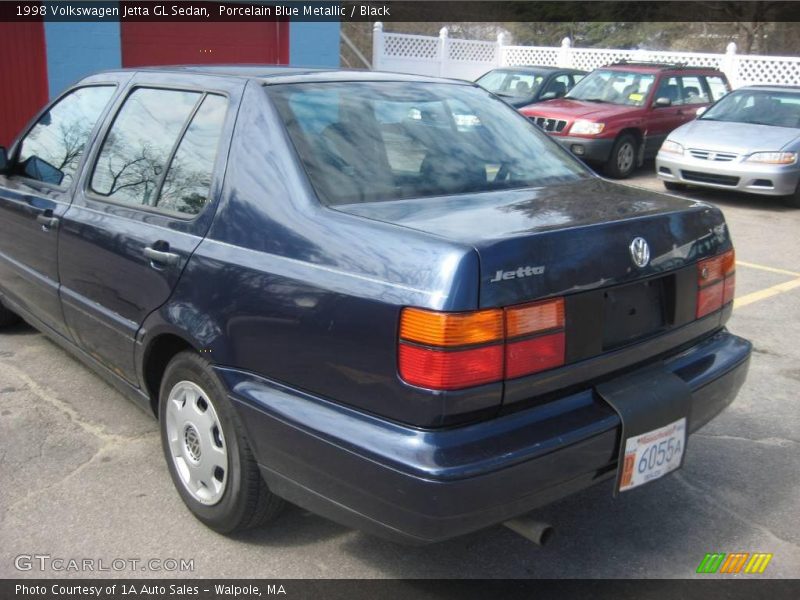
(619, 114)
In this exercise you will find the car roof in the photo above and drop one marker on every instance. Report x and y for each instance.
(654, 67)
(770, 87)
(272, 74)
(535, 68)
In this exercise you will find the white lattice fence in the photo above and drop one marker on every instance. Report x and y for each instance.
(468, 59)
(769, 69)
(530, 55)
(591, 58)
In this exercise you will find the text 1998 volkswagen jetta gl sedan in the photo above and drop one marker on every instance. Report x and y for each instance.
(385, 298)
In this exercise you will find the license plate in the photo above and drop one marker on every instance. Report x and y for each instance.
(653, 454)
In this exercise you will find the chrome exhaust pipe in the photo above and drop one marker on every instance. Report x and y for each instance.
(529, 528)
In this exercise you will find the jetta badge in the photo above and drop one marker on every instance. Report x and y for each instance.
(640, 252)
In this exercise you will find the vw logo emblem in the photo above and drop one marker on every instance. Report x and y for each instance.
(640, 252)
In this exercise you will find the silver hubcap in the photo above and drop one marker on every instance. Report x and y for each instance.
(625, 157)
(196, 443)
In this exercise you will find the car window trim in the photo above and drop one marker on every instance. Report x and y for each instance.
(97, 197)
(16, 148)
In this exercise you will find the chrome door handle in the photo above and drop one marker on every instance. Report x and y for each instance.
(48, 221)
(161, 257)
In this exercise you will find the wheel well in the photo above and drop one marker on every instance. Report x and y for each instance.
(634, 132)
(156, 358)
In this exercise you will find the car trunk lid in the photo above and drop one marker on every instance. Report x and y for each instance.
(562, 239)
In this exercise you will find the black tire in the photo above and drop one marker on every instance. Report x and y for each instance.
(674, 186)
(245, 500)
(7, 317)
(622, 161)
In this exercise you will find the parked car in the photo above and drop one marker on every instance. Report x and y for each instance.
(748, 141)
(618, 115)
(521, 86)
(356, 292)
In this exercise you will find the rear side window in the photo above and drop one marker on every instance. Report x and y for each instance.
(53, 148)
(160, 151)
(693, 90)
(188, 180)
(717, 86)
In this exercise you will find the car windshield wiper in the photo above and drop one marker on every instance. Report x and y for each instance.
(600, 100)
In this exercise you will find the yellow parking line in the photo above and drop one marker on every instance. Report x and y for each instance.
(766, 293)
(765, 268)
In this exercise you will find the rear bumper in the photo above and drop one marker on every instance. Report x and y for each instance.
(419, 486)
(588, 149)
(767, 180)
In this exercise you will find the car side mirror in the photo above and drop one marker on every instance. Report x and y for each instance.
(4, 166)
(41, 170)
(662, 102)
(548, 96)
(700, 110)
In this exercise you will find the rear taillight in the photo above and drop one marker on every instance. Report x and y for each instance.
(451, 351)
(716, 283)
(534, 337)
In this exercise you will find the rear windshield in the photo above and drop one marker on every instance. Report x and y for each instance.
(377, 141)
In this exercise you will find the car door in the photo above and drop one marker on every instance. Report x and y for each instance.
(35, 194)
(143, 205)
(663, 119)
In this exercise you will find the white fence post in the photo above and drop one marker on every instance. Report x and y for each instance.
(501, 53)
(442, 50)
(377, 45)
(565, 53)
(730, 65)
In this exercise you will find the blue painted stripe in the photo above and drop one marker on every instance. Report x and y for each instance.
(75, 50)
(313, 44)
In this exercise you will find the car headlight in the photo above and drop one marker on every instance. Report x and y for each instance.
(670, 146)
(583, 127)
(773, 158)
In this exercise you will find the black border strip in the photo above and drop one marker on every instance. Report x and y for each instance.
(409, 11)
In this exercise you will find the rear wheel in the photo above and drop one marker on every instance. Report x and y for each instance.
(622, 161)
(673, 186)
(7, 317)
(207, 452)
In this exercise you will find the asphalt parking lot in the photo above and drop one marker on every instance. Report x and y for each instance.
(83, 476)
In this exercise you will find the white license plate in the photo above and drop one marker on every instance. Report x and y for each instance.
(651, 455)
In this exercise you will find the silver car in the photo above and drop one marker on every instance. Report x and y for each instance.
(748, 141)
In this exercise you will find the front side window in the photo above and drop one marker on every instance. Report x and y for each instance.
(613, 87)
(512, 84)
(558, 86)
(136, 150)
(366, 142)
(669, 89)
(53, 148)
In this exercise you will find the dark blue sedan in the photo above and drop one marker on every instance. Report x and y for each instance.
(357, 292)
